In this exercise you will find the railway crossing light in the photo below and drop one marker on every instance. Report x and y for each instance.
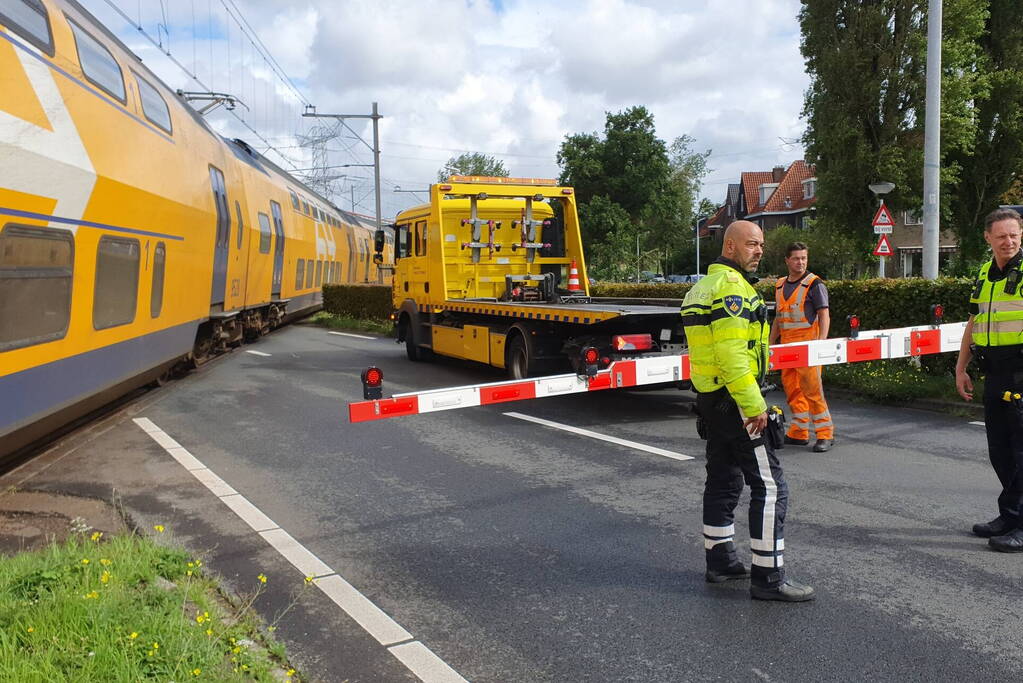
(590, 358)
(854, 326)
(937, 313)
(372, 383)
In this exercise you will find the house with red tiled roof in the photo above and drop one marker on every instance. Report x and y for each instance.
(780, 196)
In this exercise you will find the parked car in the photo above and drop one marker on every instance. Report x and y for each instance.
(685, 278)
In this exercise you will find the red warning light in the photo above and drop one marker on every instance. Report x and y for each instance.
(854, 326)
(590, 355)
(372, 383)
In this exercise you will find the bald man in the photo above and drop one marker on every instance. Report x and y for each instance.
(727, 331)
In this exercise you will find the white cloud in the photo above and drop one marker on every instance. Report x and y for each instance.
(508, 78)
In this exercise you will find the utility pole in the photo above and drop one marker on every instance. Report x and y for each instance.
(375, 147)
(932, 142)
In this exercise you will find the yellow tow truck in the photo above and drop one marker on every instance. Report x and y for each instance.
(492, 270)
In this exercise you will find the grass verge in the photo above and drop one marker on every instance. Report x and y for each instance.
(344, 322)
(126, 609)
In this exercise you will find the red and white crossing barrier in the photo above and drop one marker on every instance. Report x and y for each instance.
(901, 342)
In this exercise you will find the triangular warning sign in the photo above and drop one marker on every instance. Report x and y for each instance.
(883, 217)
(884, 247)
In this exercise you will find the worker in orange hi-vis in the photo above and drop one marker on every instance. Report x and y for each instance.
(802, 314)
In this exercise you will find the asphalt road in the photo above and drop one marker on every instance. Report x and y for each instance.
(520, 552)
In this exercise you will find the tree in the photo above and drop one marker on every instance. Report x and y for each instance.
(630, 169)
(472, 163)
(865, 106)
(991, 167)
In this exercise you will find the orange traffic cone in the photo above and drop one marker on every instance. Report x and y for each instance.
(573, 278)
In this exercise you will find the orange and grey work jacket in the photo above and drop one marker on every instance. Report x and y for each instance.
(790, 313)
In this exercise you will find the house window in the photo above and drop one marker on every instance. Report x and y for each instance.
(117, 282)
(912, 218)
(809, 188)
(98, 65)
(36, 267)
(28, 19)
(766, 190)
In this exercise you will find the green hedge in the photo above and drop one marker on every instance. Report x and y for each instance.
(368, 302)
(879, 303)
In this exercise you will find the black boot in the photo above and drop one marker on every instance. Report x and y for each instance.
(787, 591)
(996, 527)
(1012, 542)
(723, 564)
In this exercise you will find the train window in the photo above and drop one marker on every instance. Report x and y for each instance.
(241, 225)
(300, 274)
(28, 19)
(305, 207)
(319, 273)
(309, 274)
(153, 105)
(294, 200)
(117, 282)
(420, 238)
(159, 265)
(98, 65)
(336, 272)
(264, 234)
(36, 267)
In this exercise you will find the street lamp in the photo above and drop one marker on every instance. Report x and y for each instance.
(880, 189)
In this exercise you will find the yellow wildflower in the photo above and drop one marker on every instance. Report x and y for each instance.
(133, 635)
(156, 646)
(262, 578)
(290, 673)
(308, 579)
(196, 672)
(105, 562)
(91, 596)
(30, 629)
(96, 535)
(159, 528)
(105, 576)
(209, 632)
(85, 560)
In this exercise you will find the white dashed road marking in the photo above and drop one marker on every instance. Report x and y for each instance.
(257, 353)
(979, 424)
(603, 437)
(419, 659)
(349, 334)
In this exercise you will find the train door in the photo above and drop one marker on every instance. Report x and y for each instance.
(275, 209)
(223, 238)
(353, 260)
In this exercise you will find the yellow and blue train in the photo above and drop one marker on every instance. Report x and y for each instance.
(134, 238)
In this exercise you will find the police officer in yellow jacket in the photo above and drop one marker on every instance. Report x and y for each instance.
(727, 332)
(994, 334)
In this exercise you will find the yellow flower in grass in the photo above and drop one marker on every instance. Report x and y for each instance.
(30, 629)
(209, 632)
(308, 579)
(196, 671)
(290, 673)
(104, 577)
(156, 646)
(262, 578)
(85, 560)
(159, 528)
(134, 635)
(91, 596)
(96, 535)
(105, 562)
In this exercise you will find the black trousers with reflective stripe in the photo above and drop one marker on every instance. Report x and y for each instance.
(1003, 422)
(734, 458)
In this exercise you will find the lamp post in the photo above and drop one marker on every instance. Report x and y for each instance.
(880, 189)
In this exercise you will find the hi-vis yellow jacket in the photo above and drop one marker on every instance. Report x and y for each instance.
(998, 316)
(727, 330)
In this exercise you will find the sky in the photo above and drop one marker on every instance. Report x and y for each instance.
(508, 78)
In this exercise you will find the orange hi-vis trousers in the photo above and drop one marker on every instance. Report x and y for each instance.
(805, 395)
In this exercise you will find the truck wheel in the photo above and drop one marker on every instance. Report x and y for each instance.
(411, 350)
(518, 361)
